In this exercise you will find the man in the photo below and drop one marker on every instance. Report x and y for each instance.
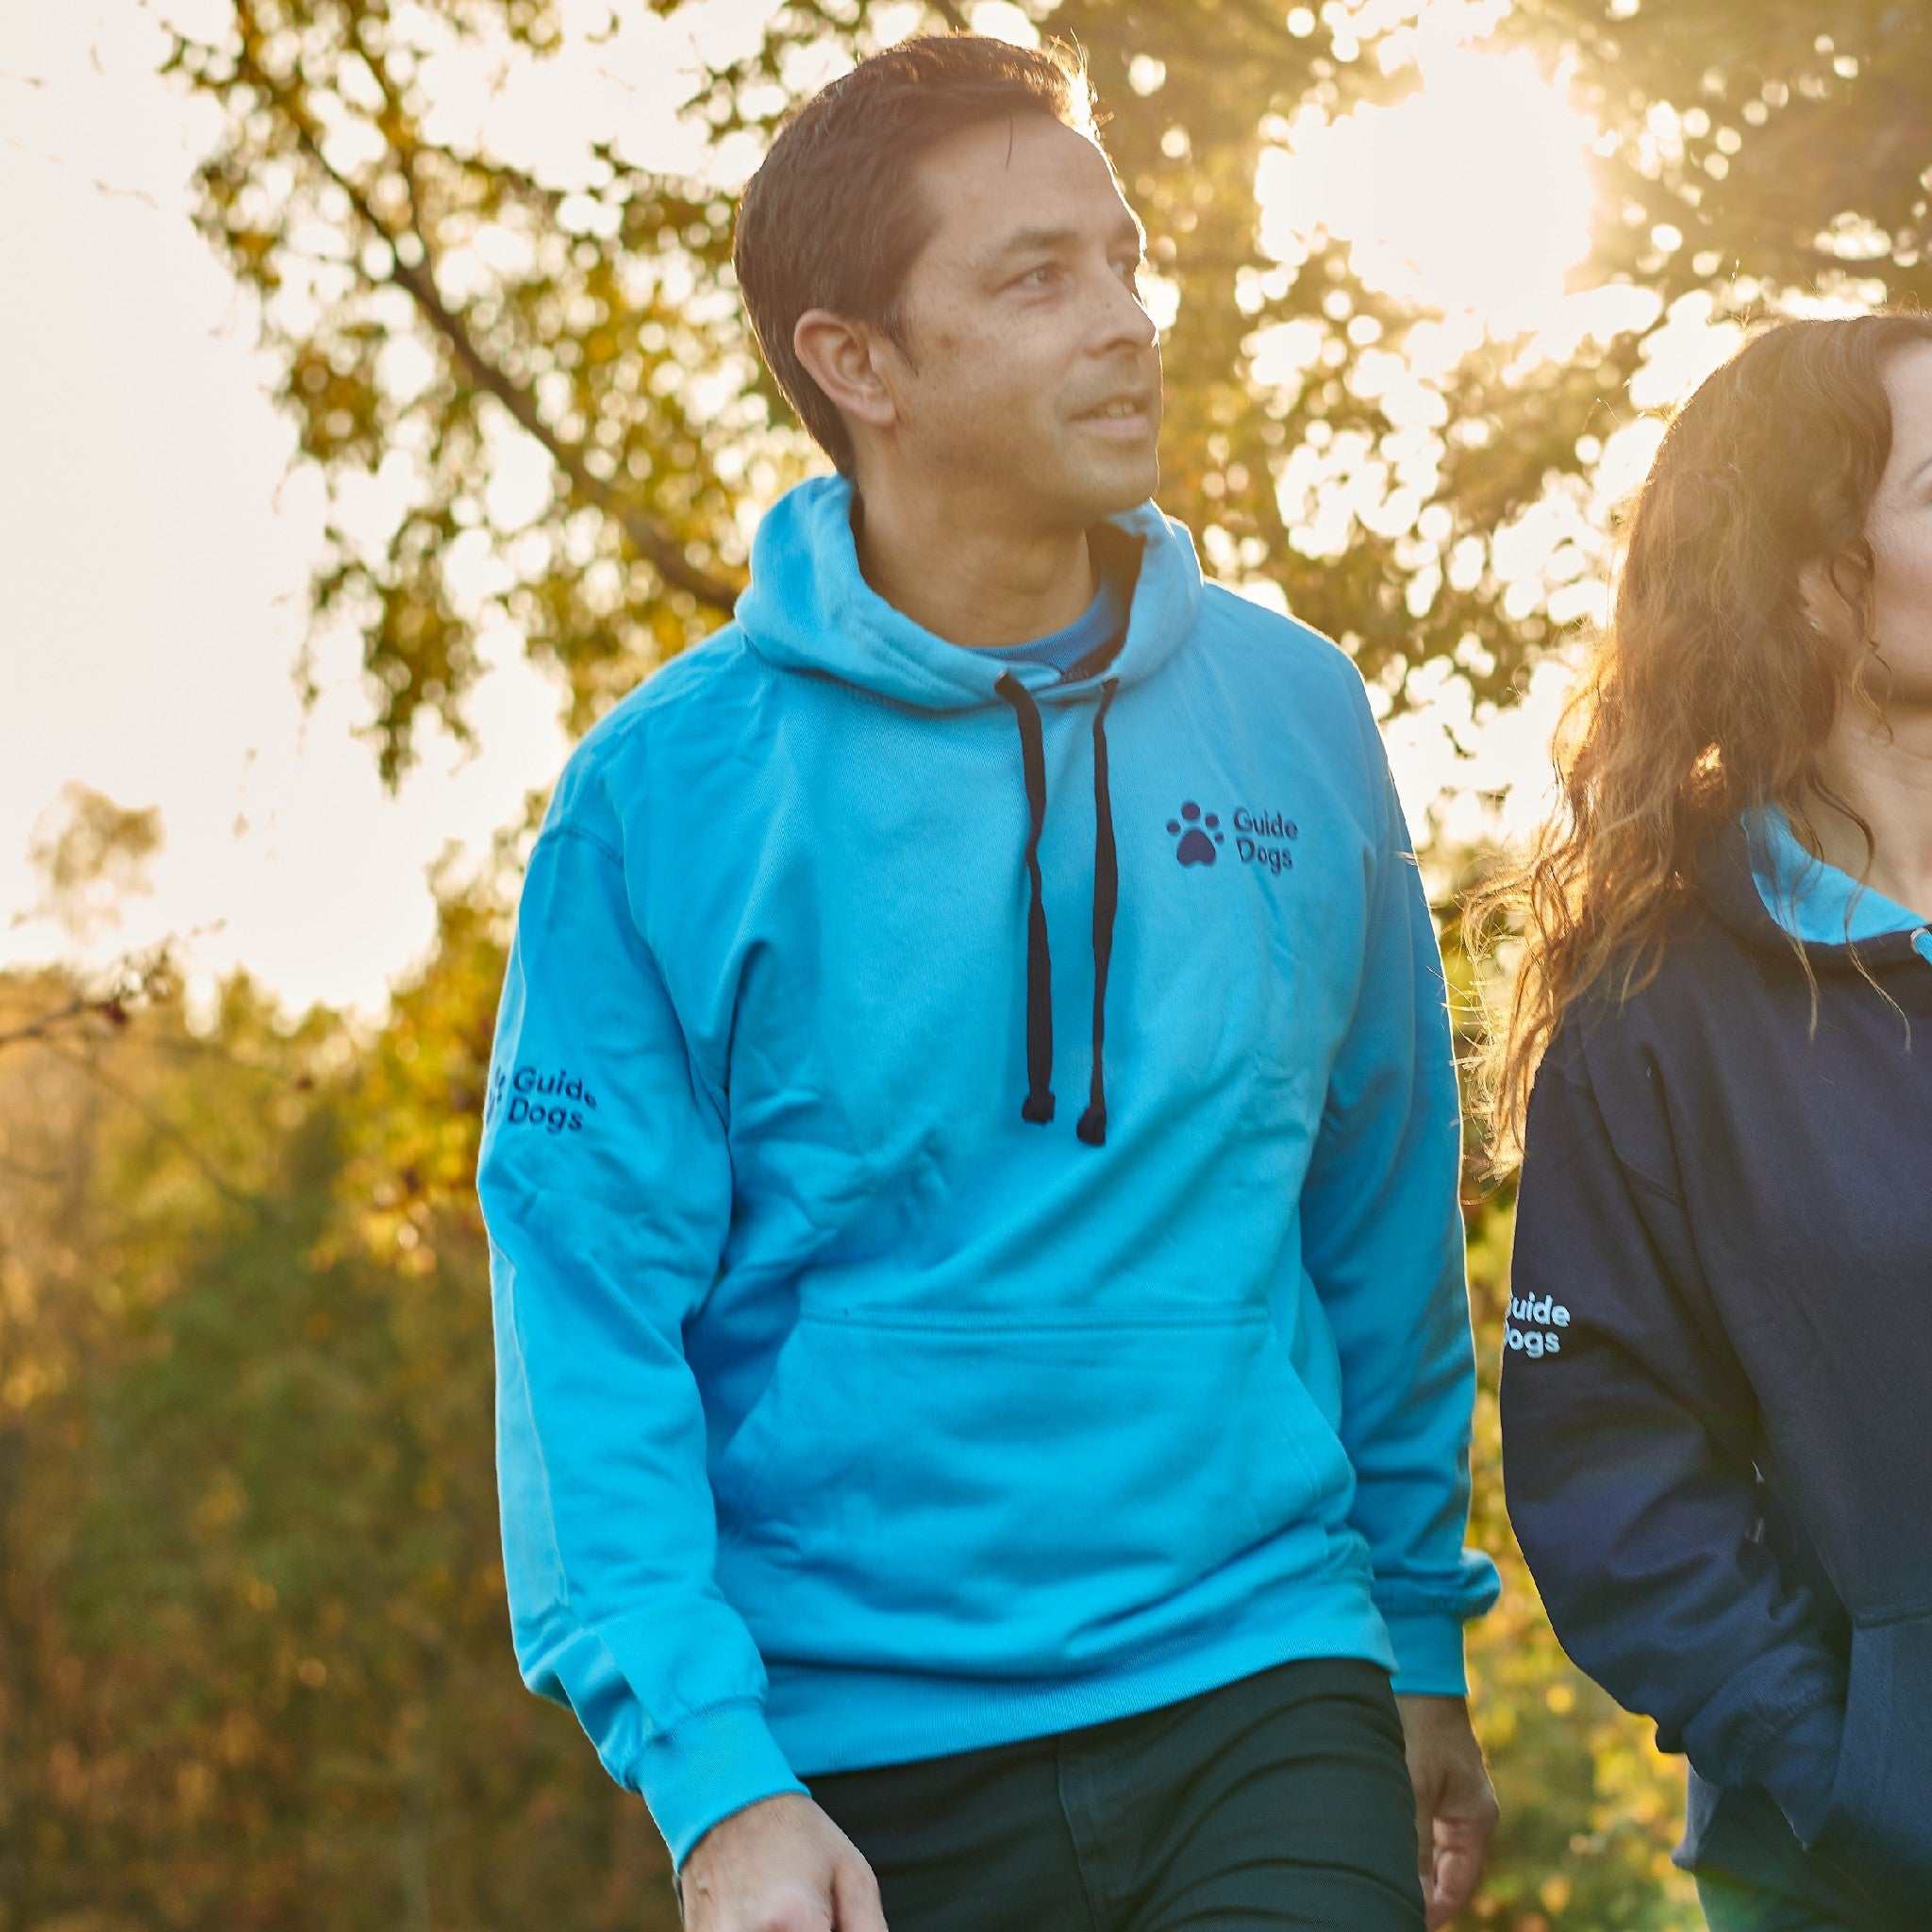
(920, 1485)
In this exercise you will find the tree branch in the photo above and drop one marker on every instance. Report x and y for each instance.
(139, 978)
(46, 1024)
(642, 531)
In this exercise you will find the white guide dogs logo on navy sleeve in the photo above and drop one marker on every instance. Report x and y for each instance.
(1541, 1320)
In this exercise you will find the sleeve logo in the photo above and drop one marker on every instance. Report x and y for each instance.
(557, 1101)
(1545, 1317)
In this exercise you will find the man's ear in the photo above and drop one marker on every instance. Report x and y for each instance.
(845, 360)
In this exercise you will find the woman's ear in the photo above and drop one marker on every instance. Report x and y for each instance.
(1825, 609)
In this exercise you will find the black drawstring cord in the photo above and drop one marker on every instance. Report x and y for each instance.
(1107, 896)
(1037, 1106)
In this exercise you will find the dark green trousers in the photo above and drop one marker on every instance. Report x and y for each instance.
(1279, 1801)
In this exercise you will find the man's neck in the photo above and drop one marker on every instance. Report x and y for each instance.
(1886, 773)
(982, 587)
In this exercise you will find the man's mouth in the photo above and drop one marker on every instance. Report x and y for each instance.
(1133, 411)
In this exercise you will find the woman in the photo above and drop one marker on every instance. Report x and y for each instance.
(1717, 1393)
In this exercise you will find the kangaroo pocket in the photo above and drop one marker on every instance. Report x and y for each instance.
(1008, 1500)
(1879, 1829)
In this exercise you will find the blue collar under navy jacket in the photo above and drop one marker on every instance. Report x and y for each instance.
(971, 1171)
(1815, 901)
(1715, 1398)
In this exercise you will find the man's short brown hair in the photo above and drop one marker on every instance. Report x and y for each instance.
(832, 219)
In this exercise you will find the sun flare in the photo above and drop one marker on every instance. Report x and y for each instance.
(1471, 196)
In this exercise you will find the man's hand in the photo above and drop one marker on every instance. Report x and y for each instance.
(1454, 1805)
(780, 1865)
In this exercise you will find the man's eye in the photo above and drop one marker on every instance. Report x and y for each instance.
(1040, 277)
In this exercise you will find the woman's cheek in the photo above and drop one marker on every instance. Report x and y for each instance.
(1901, 551)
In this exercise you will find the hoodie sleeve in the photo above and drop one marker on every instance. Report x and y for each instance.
(606, 1187)
(1382, 1240)
(1628, 1431)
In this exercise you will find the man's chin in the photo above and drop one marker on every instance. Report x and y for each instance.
(1121, 481)
(1052, 486)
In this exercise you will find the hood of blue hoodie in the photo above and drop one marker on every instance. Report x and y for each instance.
(809, 607)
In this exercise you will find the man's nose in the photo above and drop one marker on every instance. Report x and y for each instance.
(1123, 324)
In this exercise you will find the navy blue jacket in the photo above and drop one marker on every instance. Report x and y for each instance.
(1717, 1393)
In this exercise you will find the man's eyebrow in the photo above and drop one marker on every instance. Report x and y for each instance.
(1036, 240)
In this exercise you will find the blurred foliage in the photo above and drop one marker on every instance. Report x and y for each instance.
(429, 304)
(254, 1659)
(90, 854)
(255, 1667)
(1781, 146)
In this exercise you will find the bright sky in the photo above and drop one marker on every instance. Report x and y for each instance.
(153, 559)
(153, 564)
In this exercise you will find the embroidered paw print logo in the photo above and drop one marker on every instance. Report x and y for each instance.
(1199, 835)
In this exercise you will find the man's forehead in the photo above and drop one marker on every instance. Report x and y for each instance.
(1022, 182)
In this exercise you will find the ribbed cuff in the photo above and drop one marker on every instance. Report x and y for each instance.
(1801, 1768)
(701, 1771)
(1428, 1653)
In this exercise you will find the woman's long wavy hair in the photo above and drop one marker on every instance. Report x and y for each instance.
(1713, 690)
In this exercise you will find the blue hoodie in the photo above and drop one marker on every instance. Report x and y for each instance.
(891, 1365)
